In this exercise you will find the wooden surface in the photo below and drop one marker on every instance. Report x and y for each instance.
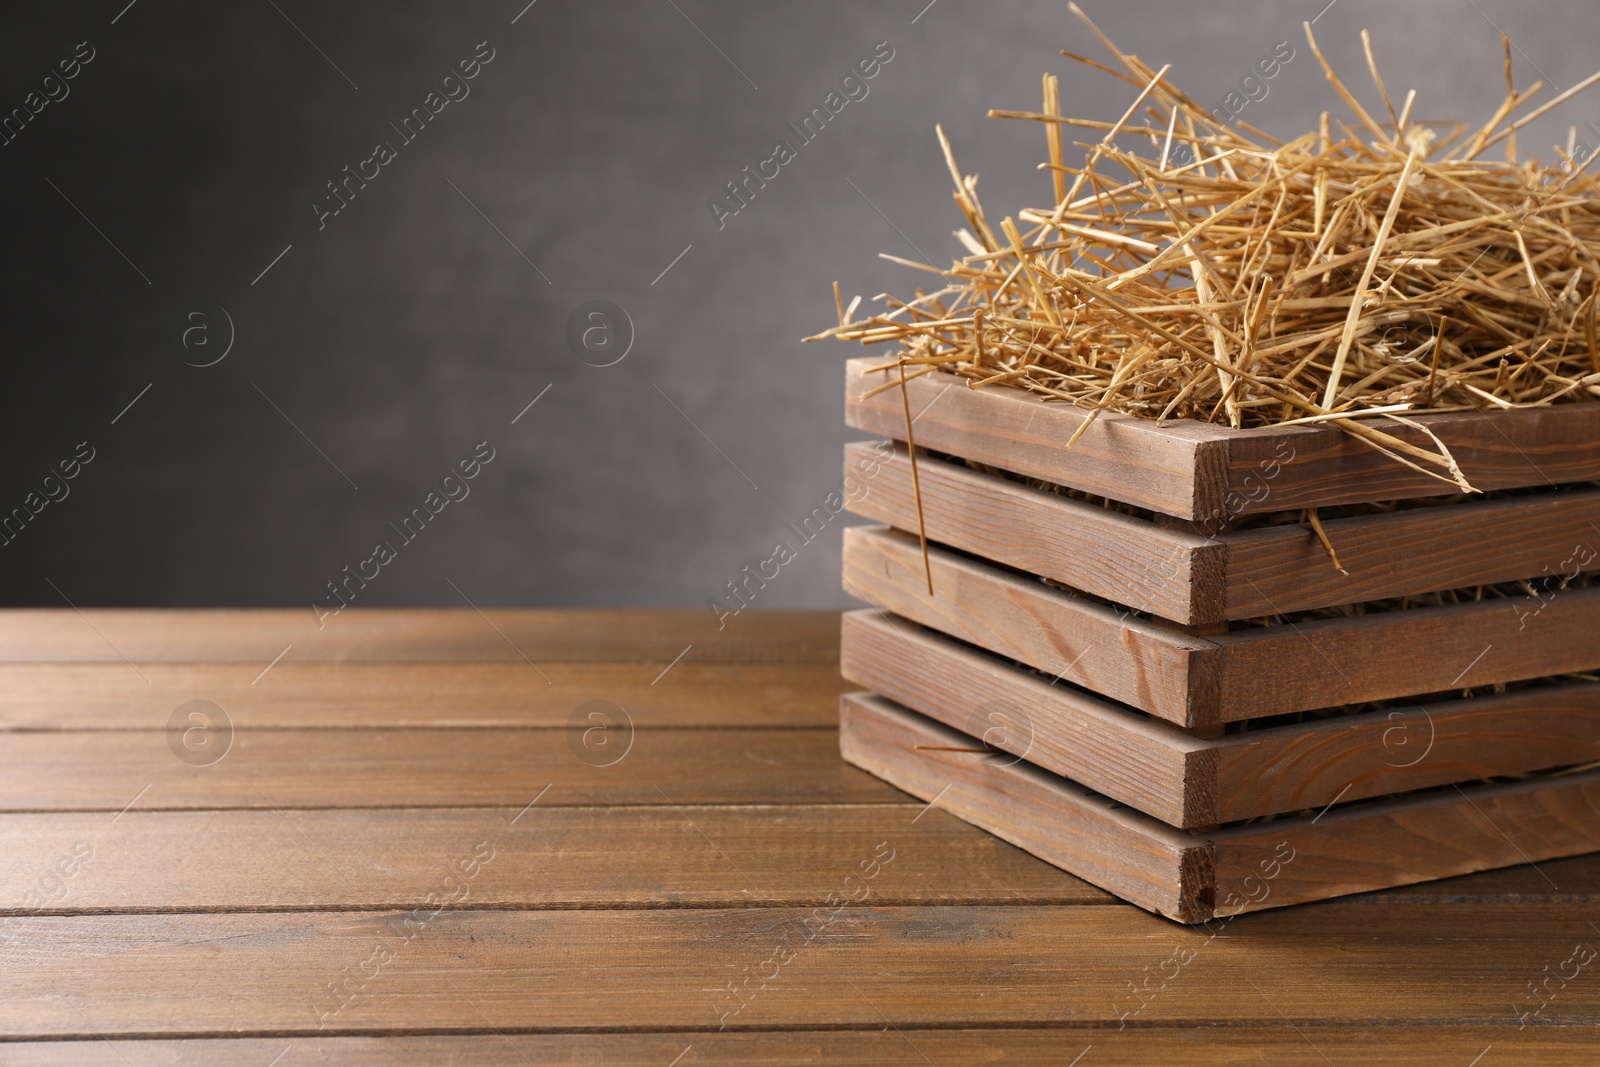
(1233, 574)
(343, 839)
(1189, 781)
(1202, 471)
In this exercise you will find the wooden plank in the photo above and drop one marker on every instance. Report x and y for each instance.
(1134, 856)
(1250, 867)
(1381, 656)
(1214, 473)
(1245, 673)
(1370, 1043)
(1307, 765)
(1240, 574)
(93, 696)
(1191, 781)
(1150, 665)
(111, 770)
(268, 974)
(1154, 768)
(1178, 468)
(565, 857)
(259, 635)
(1375, 845)
(547, 857)
(1553, 881)
(1320, 465)
(1128, 560)
(1285, 568)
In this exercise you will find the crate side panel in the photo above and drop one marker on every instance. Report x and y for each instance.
(1140, 860)
(1151, 666)
(1122, 558)
(1385, 844)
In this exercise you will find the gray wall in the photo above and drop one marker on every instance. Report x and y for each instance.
(407, 329)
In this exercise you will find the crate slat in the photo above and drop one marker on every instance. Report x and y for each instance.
(1170, 573)
(1250, 673)
(1193, 877)
(1178, 469)
(1204, 472)
(1273, 669)
(1146, 764)
(1420, 550)
(1151, 665)
(1190, 782)
(1100, 841)
(1237, 574)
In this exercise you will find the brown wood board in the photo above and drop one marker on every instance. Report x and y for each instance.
(1390, 654)
(1207, 472)
(1019, 965)
(1153, 767)
(1246, 673)
(1268, 1044)
(1128, 560)
(1191, 782)
(1239, 574)
(367, 768)
(411, 635)
(98, 696)
(549, 856)
(1350, 849)
(1149, 664)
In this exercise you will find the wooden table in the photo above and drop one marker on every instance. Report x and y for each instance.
(410, 851)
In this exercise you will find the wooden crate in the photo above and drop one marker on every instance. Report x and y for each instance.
(1125, 624)
(1199, 876)
(1189, 781)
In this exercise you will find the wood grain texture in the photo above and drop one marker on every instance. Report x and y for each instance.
(99, 696)
(1307, 765)
(548, 857)
(386, 635)
(1128, 560)
(1247, 868)
(1277, 669)
(219, 903)
(254, 974)
(1495, 450)
(1147, 765)
(1239, 574)
(1380, 844)
(1368, 1044)
(1246, 673)
(1285, 568)
(1210, 1045)
(108, 770)
(1149, 665)
(1177, 468)
(1138, 858)
(1200, 471)
(1193, 781)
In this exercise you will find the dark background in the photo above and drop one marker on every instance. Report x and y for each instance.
(409, 329)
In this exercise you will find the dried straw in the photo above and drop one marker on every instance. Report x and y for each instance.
(1268, 283)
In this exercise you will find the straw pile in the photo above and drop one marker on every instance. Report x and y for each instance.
(1356, 274)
